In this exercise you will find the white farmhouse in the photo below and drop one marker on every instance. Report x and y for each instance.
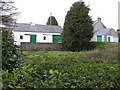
(103, 34)
(106, 35)
(35, 33)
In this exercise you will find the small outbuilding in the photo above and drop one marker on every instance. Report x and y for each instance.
(103, 34)
(35, 33)
(106, 35)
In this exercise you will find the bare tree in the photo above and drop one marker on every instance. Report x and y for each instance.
(11, 54)
(8, 12)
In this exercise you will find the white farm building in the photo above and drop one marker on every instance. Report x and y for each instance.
(103, 34)
(35, 33)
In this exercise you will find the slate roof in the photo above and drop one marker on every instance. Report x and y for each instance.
(27, 27)
(103, 31)
(95, 22)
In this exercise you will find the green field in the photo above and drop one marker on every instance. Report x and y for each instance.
(104, 52)
(98, 68)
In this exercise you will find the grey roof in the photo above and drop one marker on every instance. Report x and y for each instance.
(95, 22)
(27, 27)
(104, 31)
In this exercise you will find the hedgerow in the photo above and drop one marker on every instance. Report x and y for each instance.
(84, 75)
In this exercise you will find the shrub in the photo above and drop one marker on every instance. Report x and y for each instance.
(19, 78)
(11, 54)
(84, 75)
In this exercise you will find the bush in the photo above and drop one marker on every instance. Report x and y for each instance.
(11, 54)
(84, 75)
(19, 78)
(56, 69)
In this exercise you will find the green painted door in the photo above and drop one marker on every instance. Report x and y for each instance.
(99, 38)
(109, 39)
(32, 38)
(56, 38)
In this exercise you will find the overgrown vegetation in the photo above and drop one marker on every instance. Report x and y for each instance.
(59, 69)
(11, 55)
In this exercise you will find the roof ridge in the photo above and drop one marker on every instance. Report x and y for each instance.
(40, 24)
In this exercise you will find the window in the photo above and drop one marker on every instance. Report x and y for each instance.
(44, 38)
(21, 37)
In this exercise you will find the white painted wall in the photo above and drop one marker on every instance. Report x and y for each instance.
(103, 38)
(113, 39)
(95, 38)
(39, 37)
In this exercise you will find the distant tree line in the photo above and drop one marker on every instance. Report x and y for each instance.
(52, 21)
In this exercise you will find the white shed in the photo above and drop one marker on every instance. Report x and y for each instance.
(35, 33)
(105, 35)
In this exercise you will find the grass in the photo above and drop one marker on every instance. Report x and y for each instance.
(91, 69)
(106, 51)
(105, 54)
(98, 68)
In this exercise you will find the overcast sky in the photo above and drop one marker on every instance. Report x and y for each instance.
(38, 11)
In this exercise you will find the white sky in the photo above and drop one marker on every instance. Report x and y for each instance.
(38, 11)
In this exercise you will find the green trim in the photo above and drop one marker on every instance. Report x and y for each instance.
(56, 38)
(99, 38)
(32, 38)
(109, 39)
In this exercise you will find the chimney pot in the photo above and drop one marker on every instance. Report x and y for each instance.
(99, 19)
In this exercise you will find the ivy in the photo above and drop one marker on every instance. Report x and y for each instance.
(11, 54)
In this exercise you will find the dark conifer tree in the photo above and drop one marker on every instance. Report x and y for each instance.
(52, 21)
(77, 29)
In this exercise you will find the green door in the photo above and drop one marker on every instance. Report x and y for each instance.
(32, 38)
(99, 38)
(56, 38)
(108, 39)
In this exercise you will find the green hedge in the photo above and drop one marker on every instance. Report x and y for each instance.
(98, 68)
(83, 75)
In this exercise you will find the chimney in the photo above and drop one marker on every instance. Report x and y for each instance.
(99, 19)
(32, 24)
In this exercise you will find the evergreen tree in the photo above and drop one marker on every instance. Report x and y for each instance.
(118, 32)
(52, 21)
(11, 54)
(77, 29)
